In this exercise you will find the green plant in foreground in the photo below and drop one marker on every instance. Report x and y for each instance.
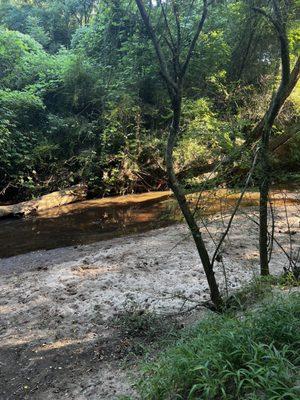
(254, 356)
(290, 279)
(253, 292)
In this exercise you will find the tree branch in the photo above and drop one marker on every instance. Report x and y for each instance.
(288, 78)
(237, 206)
(268, 16)
(167, 24)
(163, 65)
(280, 27)
(195, 38)
(176, 14)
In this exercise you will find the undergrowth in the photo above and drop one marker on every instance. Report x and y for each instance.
(253, 355)
(138, 322)
(144, 331)
(250, 294)
(258, 289)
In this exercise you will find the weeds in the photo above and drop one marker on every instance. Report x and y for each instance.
(254, 292)
(290, 279)
(253, 356)
(138, 322)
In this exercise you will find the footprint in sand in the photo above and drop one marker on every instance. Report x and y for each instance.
(71, 289)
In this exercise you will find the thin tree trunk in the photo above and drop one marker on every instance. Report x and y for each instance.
(264, 197)
(185, 209)
(174, 85)
(289, 80)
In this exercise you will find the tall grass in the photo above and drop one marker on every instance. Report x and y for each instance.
(253, 356)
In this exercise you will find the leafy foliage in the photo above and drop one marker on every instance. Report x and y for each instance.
(224, 357)
(90, 105)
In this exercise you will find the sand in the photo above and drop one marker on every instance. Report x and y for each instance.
(57, 340)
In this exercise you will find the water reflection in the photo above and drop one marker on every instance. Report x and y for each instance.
(82, 225)
(96, 220)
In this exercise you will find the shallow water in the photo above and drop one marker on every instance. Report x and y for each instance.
(94, 220)
(86, 222)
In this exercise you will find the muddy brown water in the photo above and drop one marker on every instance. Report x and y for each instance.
(101, 219)
(86, 222)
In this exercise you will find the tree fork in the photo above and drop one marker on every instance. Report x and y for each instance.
(174, 86)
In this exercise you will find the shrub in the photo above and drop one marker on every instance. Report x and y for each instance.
(254, 356)
(143, 323)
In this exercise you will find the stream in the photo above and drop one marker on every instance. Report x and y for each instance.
(101, 219)
(86, 222)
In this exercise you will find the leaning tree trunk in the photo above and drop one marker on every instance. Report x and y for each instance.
(289, 80)
(174, 86)
(185, 209)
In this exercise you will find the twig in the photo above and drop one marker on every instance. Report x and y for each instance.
(271, 242)
(236, 207)
(275, 240)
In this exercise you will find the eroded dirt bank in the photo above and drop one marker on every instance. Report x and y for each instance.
(57, 340)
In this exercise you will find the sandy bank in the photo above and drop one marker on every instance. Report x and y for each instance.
(56, 307)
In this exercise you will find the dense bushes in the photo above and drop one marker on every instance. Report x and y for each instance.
(82, 100)
(252, 356)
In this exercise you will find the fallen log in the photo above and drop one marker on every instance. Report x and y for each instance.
(51, 200)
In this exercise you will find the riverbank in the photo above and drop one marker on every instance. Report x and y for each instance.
(58, 335)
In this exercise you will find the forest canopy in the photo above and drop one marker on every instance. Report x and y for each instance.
(82, 99)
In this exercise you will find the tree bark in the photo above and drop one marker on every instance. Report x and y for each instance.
(288, 82)
(174, 85)
(263, 204)
(185, 209)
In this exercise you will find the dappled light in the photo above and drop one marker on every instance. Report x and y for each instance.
(149, 199)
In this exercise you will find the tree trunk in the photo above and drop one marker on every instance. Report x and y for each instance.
(264, 196)
(185, 209)
(174, 85)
